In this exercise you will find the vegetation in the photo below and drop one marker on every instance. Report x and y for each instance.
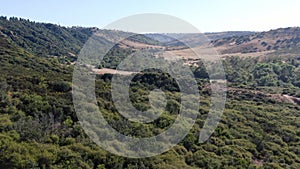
(39, 127)
(49, 40)
(267, 72)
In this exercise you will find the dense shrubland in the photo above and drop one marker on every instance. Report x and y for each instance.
(39, 127)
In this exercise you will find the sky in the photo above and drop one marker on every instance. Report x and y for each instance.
(206, 15)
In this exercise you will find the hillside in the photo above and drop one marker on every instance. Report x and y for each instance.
(39, 127)
(194, 39)
(46, 40)
(277, 39)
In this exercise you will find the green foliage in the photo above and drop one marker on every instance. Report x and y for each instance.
(45, 39)
(39, 127)
(268, 72)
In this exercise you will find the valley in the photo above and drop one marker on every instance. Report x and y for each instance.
(39, 128)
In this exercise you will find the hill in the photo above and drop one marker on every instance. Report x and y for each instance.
(277, 39)
(195, 39)
(39, 127)
(46, 39)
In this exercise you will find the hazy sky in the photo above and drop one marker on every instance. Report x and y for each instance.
(206, 15)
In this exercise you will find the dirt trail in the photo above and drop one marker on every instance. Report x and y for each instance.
(278, 97)
(112, 71)
(292, 99)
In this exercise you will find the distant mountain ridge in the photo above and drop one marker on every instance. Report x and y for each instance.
(277, 39)
(45, 39)
(194, 39)
(284, 40)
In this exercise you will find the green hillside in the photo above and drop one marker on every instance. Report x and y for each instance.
(48, 40)
(260, 127)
